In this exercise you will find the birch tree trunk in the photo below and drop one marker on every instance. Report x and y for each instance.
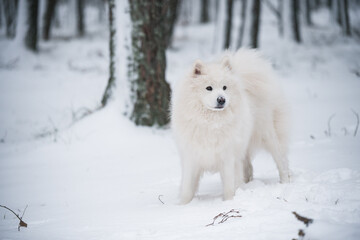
(112, 30)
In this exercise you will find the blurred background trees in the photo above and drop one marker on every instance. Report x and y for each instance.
(236, 23)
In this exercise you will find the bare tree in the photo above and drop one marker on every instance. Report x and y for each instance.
(295, 22)
(151, 92)
(80, 10)
(278, 11)
(281, 17)
(31, 37)
(1, 14)
(10, 12)
(228, 26)
(307, 11)
(48, 18)
(172, 14)
(345, 21)
(112, 30)
(255, 23)
(242, 24)
(204, 15)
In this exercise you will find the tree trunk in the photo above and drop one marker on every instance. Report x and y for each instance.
(294, 11)
(151, 92)
(172, 14)
(338, 12)
(48, 18)
(204, 15)
(228, 25)
(308, 13)
(31, 37)
(242, 24)
(281, 18)
(344, 9)
(112, 30)
(255, 24)
(10, 12)
(1, 14)
(80, 7)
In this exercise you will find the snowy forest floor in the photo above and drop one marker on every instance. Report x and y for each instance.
(102, 177)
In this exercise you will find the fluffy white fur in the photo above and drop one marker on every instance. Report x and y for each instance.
(226, 139)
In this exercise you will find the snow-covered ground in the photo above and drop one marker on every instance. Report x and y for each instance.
(102, 178)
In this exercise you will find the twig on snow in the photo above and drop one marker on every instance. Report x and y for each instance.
(225, 216)
(357, 121)
(21, 223)
(328, 132)
(305, 220)
(159, 197)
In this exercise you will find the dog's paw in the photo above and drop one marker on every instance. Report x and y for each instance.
(285, 178)
(185, 199)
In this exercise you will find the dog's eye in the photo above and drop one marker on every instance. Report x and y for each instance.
(209, 88)
(224, 87)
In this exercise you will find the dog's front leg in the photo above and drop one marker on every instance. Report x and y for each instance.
(189, 183)
(228, 178)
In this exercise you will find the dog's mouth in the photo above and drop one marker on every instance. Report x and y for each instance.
(217, 108)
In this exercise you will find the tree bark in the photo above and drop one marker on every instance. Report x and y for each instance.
(151, 92)
(242, 24)
(80, 7)
(294, 10)
(255, 24)
(48, 18)
(204, 15)
(228, 25)
(112, 34)
(31, 37)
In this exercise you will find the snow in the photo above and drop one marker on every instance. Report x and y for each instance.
(102, 177)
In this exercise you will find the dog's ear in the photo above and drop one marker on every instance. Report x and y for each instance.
(226, 62)
(198, 68)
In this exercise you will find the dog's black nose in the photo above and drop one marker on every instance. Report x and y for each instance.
(221, 100)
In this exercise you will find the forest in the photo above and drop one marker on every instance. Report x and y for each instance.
(86, 145)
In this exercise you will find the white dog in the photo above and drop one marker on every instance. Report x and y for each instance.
(222, 113)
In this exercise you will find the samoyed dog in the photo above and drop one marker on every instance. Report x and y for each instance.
(222, 113)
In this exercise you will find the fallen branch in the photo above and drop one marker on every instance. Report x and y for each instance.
(225, 216)
(21, 223)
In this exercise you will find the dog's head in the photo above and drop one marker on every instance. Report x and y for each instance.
(213, 83)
